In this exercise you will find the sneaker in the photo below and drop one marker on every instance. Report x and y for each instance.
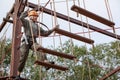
(51, 62)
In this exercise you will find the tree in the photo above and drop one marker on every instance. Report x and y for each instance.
(5, 54)
(91, 64)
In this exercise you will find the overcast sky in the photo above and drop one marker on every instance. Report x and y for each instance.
(96, 6)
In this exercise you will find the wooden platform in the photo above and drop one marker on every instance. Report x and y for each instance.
(72, 35)
(53, 52)
(46, 64)
(92, 15)
(10, 78)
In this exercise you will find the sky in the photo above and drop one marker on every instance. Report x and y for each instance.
(96, 6)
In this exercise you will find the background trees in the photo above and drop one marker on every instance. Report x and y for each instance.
(5, 53)
(91, 64)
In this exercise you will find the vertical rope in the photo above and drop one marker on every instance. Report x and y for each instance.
(109, 13)
(31, 30)
(81, 20)
(71, 41)
(74, 2)
(55, 18)
(89, 37)
(87, 19)
(31, 26)
(55, 21)
(83, 35)
(39, 20)
(52, 24)
(108, 10)
(40, 39)
(111, 18)
(71, 46)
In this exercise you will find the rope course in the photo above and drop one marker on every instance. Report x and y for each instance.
(20, 5)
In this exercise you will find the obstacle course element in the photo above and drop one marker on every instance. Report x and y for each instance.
(92, 15)
(16, 10)
(75, 21)
(47, 64)
(53, 52)
(77, 37)
(14, 13)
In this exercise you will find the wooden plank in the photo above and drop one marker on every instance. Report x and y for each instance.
(53, 52)
(7, 17)
(66, 33)
(110, 73)
(75, 21)
(92, 15)
(7, 20)
(46, 64)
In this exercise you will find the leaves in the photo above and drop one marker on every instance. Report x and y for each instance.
(92, 64)
(5, 55)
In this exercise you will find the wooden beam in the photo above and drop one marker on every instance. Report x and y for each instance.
(53, 52)
(46, 64)
(110, 73)
(22, 5)
(75, 21)
(92, 15)
(7, 18)
(77, 37)
(21, 9)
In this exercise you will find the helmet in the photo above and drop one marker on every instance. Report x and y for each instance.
(32, 13)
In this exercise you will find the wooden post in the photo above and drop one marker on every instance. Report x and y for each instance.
(15, 40)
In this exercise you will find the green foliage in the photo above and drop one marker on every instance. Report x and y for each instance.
(5, 55)
(95, 62)
(92, 64)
